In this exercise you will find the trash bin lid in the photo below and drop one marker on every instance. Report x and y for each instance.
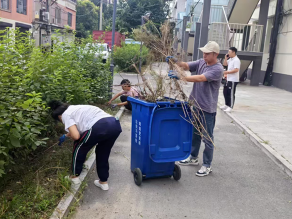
(170, 135)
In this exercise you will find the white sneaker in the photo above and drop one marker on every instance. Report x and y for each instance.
(102, 186)
(189, 161)
(204, 171)
(223, 107)
(228, 109)
(74, 180)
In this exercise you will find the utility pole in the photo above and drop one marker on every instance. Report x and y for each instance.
(100, 15)
(141, 45)
(140, 61)
(47, 5)
(113, 42)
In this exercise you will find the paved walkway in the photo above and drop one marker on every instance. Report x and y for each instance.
(244, 184)
(267, 112)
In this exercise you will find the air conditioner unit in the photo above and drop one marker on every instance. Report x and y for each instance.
(46, 16)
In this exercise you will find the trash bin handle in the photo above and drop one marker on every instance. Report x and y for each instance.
(150, 124)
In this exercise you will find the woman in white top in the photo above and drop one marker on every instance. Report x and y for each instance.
(88, 126)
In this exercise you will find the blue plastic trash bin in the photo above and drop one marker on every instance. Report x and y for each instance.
(161, 135)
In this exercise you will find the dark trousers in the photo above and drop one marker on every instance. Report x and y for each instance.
(207, 121)
(125, 99)
(103, 135)
(229, 93)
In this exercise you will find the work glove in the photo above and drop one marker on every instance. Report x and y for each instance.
(173, 59)
(173, 75)
(62, 139)
(114, 106)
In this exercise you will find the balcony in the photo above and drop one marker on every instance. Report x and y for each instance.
(71, 4)
(245, 37)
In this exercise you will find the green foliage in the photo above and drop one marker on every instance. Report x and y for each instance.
(128, 54)
(87, 18)
(129, 13)
(29, 78)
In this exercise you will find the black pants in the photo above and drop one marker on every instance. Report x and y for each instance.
(103, 134)
(229, 93)
(124, 99)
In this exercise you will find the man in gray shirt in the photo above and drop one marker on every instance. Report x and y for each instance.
(206, 75)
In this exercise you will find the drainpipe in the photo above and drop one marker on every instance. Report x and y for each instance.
(277, 22)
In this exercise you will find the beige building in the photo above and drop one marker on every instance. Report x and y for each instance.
(282, 77)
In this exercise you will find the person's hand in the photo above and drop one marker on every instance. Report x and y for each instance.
(173, 75)
(114, 106)
(62, 139)
(227, 56)
(225, 76)
(173, 59)
(109, 102)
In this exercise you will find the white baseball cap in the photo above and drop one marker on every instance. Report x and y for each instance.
(211, 46)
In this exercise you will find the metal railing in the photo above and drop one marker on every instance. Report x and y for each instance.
(217, 14)
(245, 37)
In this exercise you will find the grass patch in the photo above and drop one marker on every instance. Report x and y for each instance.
(108, 109)
(35, 184)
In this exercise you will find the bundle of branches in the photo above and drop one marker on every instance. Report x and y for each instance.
(156, 83)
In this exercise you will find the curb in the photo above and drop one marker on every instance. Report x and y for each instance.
(284, 164)
(68, 200)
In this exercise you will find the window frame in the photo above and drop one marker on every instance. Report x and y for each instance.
(58, 15)
(24, 6)
(4, 9)
(70, 24)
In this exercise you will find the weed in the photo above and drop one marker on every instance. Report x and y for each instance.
(265, 142)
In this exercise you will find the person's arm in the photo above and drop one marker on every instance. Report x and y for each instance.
(73, 132)
(195, 78)
(183, 65)
(231, 71)
(123, 103)
(115, 97)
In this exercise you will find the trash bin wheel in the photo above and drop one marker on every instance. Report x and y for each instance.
(138, 177)
(176, 172)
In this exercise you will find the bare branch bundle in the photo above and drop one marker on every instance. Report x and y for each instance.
(156, 82)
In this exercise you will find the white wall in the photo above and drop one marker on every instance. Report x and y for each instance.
(283, 58)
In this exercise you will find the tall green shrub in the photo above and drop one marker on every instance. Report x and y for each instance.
(30, 77)
(128, 54)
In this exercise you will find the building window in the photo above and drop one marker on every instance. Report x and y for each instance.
(5, 4)
(58, 15)
(21, 7)
(69, 19)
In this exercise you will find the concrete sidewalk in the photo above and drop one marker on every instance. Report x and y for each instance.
(244, 184)
(266, 112)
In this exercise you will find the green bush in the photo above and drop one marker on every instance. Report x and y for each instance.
(128, 54)
(30, 77)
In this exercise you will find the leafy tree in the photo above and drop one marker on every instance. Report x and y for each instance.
(129, 13)
(87, 18)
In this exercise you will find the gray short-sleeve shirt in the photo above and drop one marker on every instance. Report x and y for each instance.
(205, 94)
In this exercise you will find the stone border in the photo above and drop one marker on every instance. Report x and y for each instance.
(68, 200)
(283, 163)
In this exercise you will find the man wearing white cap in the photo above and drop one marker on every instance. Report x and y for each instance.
(206, 75)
